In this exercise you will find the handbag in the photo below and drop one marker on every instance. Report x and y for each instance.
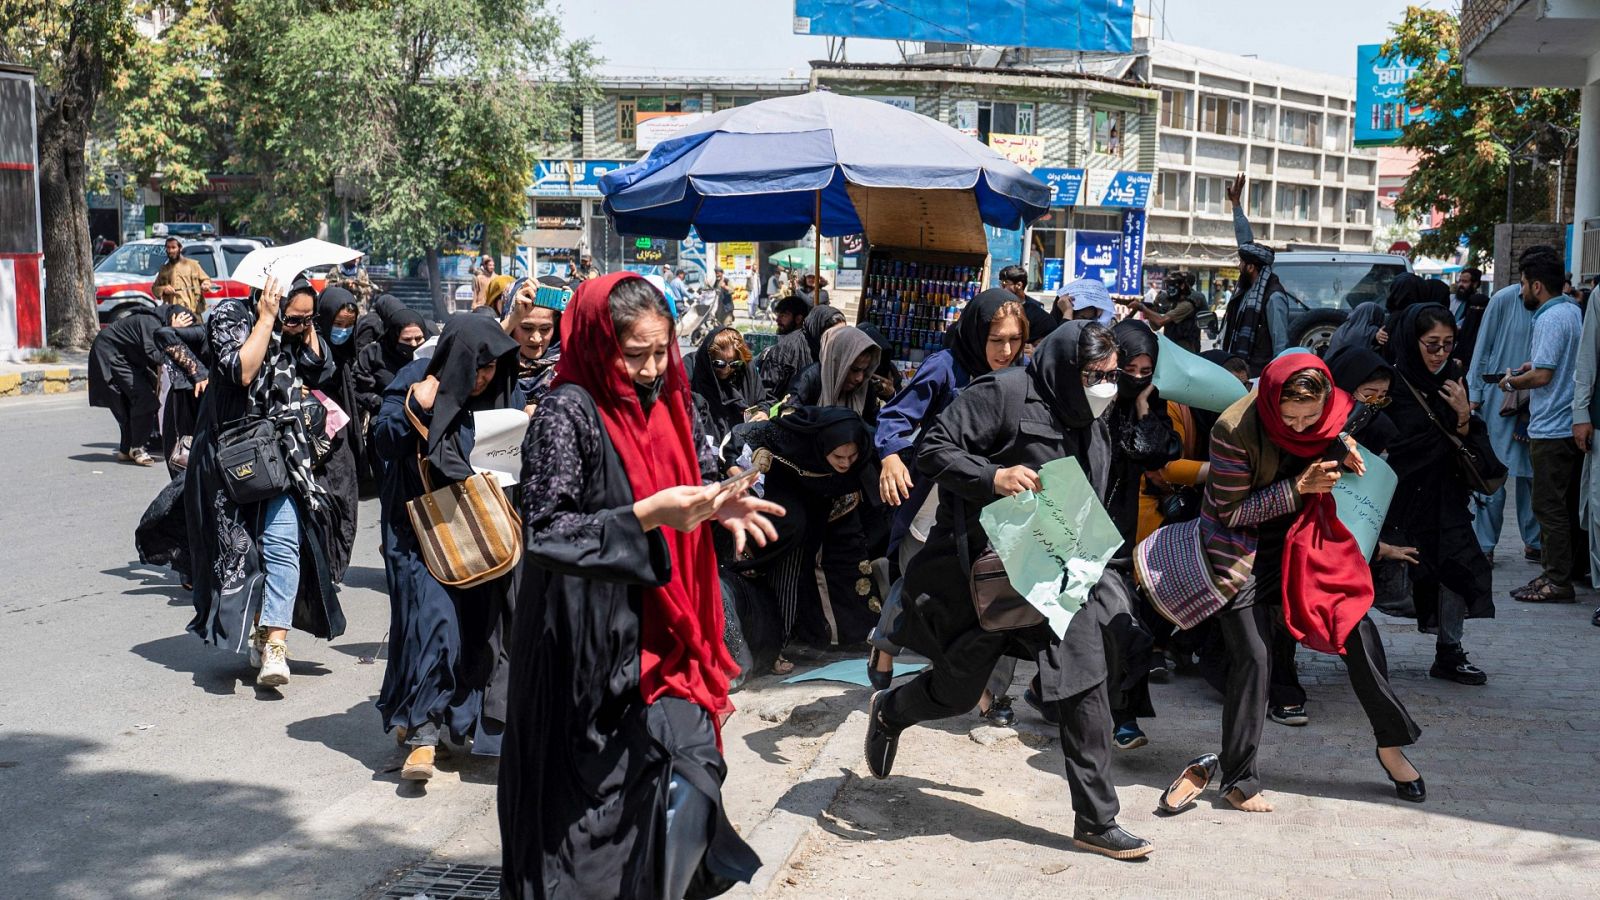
(1480, 468)
(997, 603)
(252, 462)
(467, 531)
(1181, 504)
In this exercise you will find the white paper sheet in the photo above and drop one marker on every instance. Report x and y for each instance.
(497, 443)
(286, 262)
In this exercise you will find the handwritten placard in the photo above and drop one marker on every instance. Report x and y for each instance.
(1363, 500)
(1055, 542)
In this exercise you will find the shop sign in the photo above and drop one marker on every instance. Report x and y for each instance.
(571, 177)
(1096, 254)
(1026, 150)
(1051, 275)
(649, 251)
(967, 117)
(909, 104)
(1130, 267)
(653, 128)
(1130, 190)
(1066, 185)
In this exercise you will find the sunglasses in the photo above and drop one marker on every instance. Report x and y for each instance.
(1092, 378)
(299, 321)
(1438, 347)
(727, 364)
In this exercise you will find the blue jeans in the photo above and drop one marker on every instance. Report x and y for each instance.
(1488, 514)
(280, 557)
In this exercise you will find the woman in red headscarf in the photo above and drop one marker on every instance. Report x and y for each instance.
(611, 769)
(1274, 548)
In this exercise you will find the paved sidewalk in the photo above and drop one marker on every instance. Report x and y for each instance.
(20, 379)
(1507, 765)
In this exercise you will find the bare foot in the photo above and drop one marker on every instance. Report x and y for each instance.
(782, 666)
(984, 702)
(1395, 763)
(1255, 804)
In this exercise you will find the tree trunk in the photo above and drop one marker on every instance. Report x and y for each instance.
(64, 118)
(441, 308)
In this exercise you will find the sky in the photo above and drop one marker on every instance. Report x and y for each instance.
(755, 37)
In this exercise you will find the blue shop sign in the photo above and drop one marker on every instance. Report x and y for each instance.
(1098, 255)
(572, 177)
(1065, 185)
(1097, 187)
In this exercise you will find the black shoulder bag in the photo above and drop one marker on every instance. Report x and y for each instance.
(1483, 472)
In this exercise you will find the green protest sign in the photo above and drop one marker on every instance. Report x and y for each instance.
(1363, 500)
(1055, 542)
(1193, 380)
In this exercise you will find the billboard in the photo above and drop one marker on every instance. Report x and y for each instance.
(1098, 254)
(571, 177)
(1381, 108)
(1097, 187)
(1053, 24)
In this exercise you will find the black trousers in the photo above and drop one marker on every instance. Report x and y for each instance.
(136, 419)
(1085, 725)
(1248, 634)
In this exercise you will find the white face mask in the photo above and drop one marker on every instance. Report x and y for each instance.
(1101, 396)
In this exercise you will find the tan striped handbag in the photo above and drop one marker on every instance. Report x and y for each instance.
(467, 531)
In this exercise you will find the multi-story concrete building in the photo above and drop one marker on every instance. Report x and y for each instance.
(1288, 129)
(1091, 136)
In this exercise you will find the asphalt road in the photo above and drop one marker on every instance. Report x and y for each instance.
(135, 761)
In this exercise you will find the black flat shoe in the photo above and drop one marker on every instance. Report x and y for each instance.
(1190, 785)
(1046, 711)
(1000, 714)
(880, 680)
(1409, 791)
(882, 741)
(1457, 669)
(1113, 842)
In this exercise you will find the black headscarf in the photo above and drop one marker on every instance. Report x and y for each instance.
(1134, 338)
(1354, 366)
(1436, 291)
(1405, 290)
(725, 399)
(1419, 443)
(329, 302)
(886, 357)
(1359, 330)
(810, 433)
(1057, 374)
(1407, 358)
(396, 354)
(817, 321)
(468, 343)
(967, 340)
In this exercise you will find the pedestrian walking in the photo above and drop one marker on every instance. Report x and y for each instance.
(441, 638)
(610, 780)
(1468, 305)
(1431, 509)
(1585, 412)
(375, 323)
(123, 364)
(1548, 376)
(480, 280)
(186, 370)
(1014, 279)
(182, 281)
(261, 563)
(346, 457)
(535, 317)
(990, 443)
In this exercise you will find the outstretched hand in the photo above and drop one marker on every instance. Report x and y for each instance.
(1235, 189)
(745, 517)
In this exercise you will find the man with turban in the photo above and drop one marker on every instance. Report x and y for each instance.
(1257, 326)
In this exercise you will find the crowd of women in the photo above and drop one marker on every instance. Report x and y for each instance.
(832, 496)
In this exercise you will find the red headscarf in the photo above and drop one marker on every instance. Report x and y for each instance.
(1327, 586)
(680, 631)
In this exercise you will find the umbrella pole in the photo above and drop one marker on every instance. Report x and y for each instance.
(816, 248)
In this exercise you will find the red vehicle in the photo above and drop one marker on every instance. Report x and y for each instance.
(124, 280)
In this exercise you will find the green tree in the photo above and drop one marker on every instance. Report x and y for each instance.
(1465, 147)
(76, 47)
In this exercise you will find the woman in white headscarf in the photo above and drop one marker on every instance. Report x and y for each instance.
(1085, 298)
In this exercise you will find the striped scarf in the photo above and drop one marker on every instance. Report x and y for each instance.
(282, 399)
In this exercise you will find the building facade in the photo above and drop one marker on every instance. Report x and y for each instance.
(1092, 137)
(1289, 130)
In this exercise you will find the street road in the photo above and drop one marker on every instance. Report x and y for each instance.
(137, 761)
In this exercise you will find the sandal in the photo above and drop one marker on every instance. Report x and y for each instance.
(1549, 592)
(1529, 588)
(782, 666)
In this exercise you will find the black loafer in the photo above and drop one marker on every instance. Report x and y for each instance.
(1458, 670)
(1000, 714)
(1409, 791)
(1114, 842)
(1046, 711)
(882, 741)
(1183, 793)
(880, 680)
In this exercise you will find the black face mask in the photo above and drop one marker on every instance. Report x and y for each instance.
(1129, 387)
(649, 393)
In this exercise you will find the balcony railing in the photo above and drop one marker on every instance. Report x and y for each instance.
(1477, 17)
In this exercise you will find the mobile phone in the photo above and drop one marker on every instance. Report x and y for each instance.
(741, 481)
(1493, 377)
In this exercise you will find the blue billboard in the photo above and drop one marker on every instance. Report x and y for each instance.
(571, 177)
(1098, 255)
(1053, 24)
(1381, 109)
(1097, 187)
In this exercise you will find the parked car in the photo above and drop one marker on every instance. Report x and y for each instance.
(125, 280)
(185, 230)
(1325, 286)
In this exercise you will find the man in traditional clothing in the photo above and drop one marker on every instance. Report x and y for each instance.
(181, 281)
(352, 276)
(480, 280)
(1468, 305)
(1504, 336)
(586, 269)
(1257, 326)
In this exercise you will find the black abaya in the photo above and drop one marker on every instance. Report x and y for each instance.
(340, 470)
(587, 766)
(122, 375)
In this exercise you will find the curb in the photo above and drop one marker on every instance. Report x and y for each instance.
(44, 381)
(778, 837)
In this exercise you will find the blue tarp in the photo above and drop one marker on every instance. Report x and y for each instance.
(1055, 24)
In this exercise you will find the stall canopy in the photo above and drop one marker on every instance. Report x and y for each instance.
(846, 165)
